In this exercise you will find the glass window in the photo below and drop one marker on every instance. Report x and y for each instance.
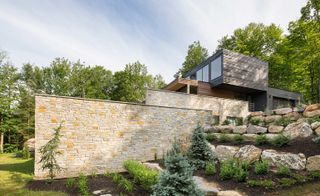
(216, 68)
(205, 72)
(199, 75)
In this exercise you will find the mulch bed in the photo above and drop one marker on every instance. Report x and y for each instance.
(94, 183)
(298, 145)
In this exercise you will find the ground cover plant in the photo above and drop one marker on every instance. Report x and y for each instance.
(121, 181)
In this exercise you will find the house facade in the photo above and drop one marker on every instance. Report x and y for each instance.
(232, 75)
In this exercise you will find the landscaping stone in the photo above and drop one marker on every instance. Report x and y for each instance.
(298, 109)
(298, 129)
(275, 129)
(229, 193)
(208, 129)
(209, 188)
(293, 161)
(272, 118)
(312, 111)
(317, 131)
(30, 143)
(248, 153)
(258, 113)
(292, 116)
(153, 166)
(98, 191)
(249, 137)
(256, 129)
(225, 152)
(313, 163)
(315, 125)
(282, 111)
(223, 129)
(271, 136)
(240, 129)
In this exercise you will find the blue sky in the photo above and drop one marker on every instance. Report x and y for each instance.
(113, 33)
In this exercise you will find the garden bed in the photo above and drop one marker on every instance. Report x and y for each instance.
(99, 182)
(298, 145)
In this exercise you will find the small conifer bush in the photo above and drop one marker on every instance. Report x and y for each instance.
(261, 167)
(284, 171)
(210, 168)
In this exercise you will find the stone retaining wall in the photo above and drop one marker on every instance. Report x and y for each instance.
(219, 106)
(97, 135)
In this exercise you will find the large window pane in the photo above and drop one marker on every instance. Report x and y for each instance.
(216, 68)
(199, 75)
(205, 72)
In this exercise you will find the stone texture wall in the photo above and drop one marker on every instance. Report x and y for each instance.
(97, 135)
(219, 106)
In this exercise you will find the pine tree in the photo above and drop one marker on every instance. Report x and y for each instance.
(177, 178)
(199, 152)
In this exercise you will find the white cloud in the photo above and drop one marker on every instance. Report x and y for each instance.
(157, 33)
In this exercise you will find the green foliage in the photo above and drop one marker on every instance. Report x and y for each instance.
(83, 186)
(210, 168)
(261, 167)
(177, 178)
(238, 139)
(224, 138)
(10, 148)
(141, 174)
(199, 152)
(316, 140)
(121, 181)
(315, 174)
(244, 165)
(211, 137)
(255, 121)
(227, 169)
(281, 140)
(267, 184)
(299, 178)
(313, 119)
(226, 122)
(284, 171)
(261, 139)
(196, 55)
(239, 121)
(287, 182)
(241, 174)
(25, 152)
(94, 175)
(48, 153)
(283, 121)
(70, 183)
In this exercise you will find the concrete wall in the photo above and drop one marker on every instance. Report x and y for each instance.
(97, 135)
(219, 106)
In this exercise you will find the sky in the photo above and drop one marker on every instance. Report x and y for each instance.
(113, 33)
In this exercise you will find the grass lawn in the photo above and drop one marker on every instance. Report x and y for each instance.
(15, 173)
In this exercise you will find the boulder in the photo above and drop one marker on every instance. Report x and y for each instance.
(282, 111)
(225, 152)
(209, 188)
(240, 129)
(208, 129)
(223, 128)
(312, 111)
(271, 136)
(292, 116)
(258, 113)
(272, 118)
(229, 193)
(254, 129)
(298, 129)
(317, 131)
(30, 144)
(313, 163)
(293, 161)
(249, 137)
(248, 153)
(298, 109)
(275, 129)
(153, 166)
(315, 125)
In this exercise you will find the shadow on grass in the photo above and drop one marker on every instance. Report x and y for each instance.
(24, 167)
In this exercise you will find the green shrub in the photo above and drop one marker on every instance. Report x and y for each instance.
(313, 119)
(227, 169)
(316, 140)
(25, 152)
(315, 175)
(19, 154)
(177, 178)
(281, 140)
(284, 171)
(10, 148)
(141, 174)
(226, 122)
(261, 167)
(244, 165)
(255, 121)
(83, 186)
(210, 168)
(239, 121)
(241, 175)
(238, 139)
(224, 138)
(299, 178)
(287, 182)
(199, 152)
(211, 137)
(268, 184)
(121, 181)
(283, 121)
(261, 139)
(71, 182)
(94, 175)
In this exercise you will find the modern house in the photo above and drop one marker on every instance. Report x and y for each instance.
(231, 75)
